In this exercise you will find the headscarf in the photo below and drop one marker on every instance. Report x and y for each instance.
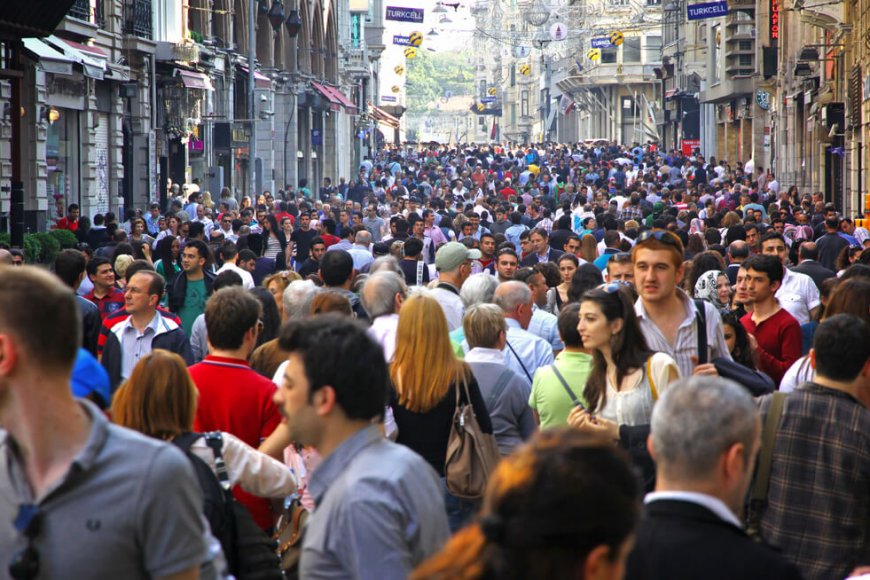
(705, 288)
(696, 226)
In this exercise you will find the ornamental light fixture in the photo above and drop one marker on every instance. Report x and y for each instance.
(294, 24)
(276, 15)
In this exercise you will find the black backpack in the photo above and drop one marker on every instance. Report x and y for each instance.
(250, 552)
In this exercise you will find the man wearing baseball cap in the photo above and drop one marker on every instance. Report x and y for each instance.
(453, 262)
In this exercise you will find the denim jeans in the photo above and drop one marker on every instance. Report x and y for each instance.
(459, 511)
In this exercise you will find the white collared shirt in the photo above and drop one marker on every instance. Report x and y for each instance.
(383, 331)
(714, 504)
(798, 294)
(480, 354)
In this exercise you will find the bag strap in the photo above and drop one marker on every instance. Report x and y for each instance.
(652, 383)
(701, 322)
(768, 439)
(215, 441)
(420, 266)
(500, 384)
(562, 380)
(519, 360)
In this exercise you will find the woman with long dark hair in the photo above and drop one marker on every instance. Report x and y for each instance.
(627, 377)
(167, 257)
(274, 242)
(557, 296)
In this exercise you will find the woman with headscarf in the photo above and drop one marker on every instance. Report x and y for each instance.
(714, 287)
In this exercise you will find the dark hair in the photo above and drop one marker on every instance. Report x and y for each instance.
(228, 251)
(29, 297)
(122, 249)
(164, 252)
(227, 279)
(137, 266)
(742, 352)
(336, 267)
(772, 235)
(703, 263)
(229, 314)
(850, 296)
(413, 247)
(586, 277)
(247, 255)
(156, 285)
(69, 265)
(202, 249)
(569, 318)
(353, 365)
(270, 317)
(628, 346)
(95, 263)
(842, 346)
(770, 265)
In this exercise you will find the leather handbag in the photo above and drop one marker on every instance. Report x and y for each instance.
(471, 453)
(288, 533)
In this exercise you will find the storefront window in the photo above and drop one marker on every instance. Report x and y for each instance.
(62, 158)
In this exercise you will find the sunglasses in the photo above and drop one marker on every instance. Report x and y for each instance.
(25, 564)
(621, 257)
(663, 236)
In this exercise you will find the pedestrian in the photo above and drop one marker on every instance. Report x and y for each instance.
(189, 290)
(704, 437)
(132, 502)
(453, 262)
(380, 511)
(525, 352)
(528, 526)
(428, 383)
(106, 295)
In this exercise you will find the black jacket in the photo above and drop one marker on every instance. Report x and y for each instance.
(532, 259)
(680, 540)
(91, 323)
(177, 289)
(815, 271)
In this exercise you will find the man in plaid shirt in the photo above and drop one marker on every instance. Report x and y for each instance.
(818, 507)
(632, 210)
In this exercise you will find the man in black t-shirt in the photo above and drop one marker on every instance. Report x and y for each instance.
(301, 239)
(413, 266)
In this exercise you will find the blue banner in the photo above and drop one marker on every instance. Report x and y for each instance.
(400, 14)
(388, 99)
(487, 99)
(601, 43)
(707, 10)
(402, 40)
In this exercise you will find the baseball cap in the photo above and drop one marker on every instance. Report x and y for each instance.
(451, 255)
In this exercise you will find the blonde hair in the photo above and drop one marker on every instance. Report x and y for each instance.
(159, 398)
(483, 324)
(206, 200)
(424, 365)
(122, 262)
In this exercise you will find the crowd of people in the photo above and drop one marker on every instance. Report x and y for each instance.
(635, 329)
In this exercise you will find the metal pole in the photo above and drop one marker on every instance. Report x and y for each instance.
(16, 197)
(252, 107)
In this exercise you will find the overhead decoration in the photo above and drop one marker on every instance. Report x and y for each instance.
(416, 38)
(491, 91)
(396, 89)
(399, 70)
(616, 38)
(410, 52)
(525, 70)
(594, 54)
(558, 31)
(480, 107)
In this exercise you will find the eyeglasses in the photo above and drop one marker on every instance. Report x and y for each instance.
(663, 236)
(25, 564)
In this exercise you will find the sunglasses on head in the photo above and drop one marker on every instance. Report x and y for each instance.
(25, 564)
(663, 236)
(621, 257)
(615, 286)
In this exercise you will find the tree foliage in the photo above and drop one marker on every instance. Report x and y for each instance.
(431, 75)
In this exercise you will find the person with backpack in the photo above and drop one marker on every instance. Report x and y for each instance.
(159, 400)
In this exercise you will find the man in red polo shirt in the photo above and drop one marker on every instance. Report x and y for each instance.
(71, 220)
(232, 397)
(108, 297)
(776, 332)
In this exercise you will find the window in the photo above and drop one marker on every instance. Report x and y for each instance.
(513, 114)
(608, 56)
(514, 75)
(629, 108)
(653, 2)
(524, 103)
(618, 3)
(482, 91)
(653, 49)
(631, 50)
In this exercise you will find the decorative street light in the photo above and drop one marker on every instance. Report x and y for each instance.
(276, 15)
(537, 14)
(294, 24)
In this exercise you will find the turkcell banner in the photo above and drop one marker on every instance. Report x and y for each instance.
(601, 43)
(707, 10)
(402, 40)
(388, 99)
(487, 99)
(400, 14)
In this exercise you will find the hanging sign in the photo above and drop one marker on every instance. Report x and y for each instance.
(400, 14)
(707, 10)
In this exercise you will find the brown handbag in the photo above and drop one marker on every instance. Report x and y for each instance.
(288, 534)
(471, 453)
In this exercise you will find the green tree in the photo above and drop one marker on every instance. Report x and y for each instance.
(432, 75)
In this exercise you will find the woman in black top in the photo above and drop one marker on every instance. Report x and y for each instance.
(425, 375)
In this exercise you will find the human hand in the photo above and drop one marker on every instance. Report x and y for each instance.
(708, 369)
(582, 420)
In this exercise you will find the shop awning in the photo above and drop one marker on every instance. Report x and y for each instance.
(261, 81)
(349, 106)
(334, 103)
(93, 60)
(50, 60)
(194, 80)
(382, 116)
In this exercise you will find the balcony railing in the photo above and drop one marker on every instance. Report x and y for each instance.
(137, 18)
(82, 10)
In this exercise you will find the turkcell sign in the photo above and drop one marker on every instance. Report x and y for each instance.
(401, 40)
(707, 10)
(601, 43)
(388, 99)
(487, 99)
(405, 14)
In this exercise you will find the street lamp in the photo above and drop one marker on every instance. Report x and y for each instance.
(537, 14)
(294, 24)
(276, 15)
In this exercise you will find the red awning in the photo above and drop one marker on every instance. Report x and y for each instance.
(195, 80)
(384, 117)
(671, 93)
(334, 103)
(346, 102)
(261, 81)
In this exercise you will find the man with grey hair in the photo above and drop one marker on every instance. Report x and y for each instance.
(524, 352)
(382, 297)
(5, 257)
(705, 435)
(360, 252)
(478, 289)
(297, 299)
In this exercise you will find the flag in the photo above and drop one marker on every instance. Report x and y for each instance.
(494, 131)
(566, 105)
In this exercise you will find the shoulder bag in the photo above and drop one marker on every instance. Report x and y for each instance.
(471, 453)
(758, 496)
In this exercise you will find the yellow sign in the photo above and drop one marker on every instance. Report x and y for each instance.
(525, 70)
(594, 54)
(396, 88)
(410, 52)
(416, 38)
(480, 107)
(616, 38)
(399, 70)
(491, 91)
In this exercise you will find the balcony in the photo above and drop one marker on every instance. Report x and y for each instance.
(137, 18)
(83, 10)
(355, 62)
